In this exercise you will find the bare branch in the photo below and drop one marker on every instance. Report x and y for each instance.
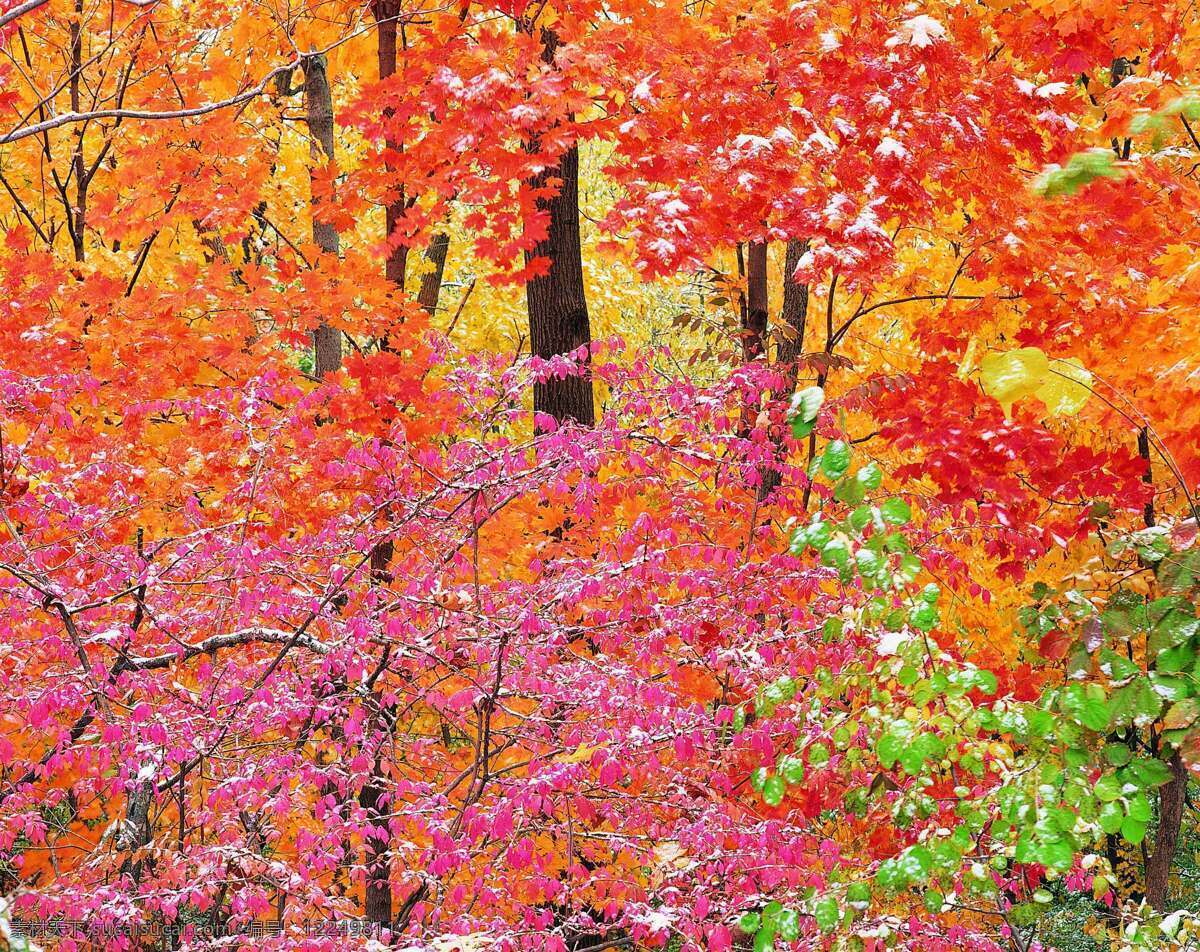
(245, 636)
(67, 118)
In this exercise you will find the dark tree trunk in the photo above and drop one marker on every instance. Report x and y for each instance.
(794, 317)
(558, 315)
(1171, 795)
(431, 281)
(1170, 817)
(377, 896)
(754, 324)
(1143, 444)
(134, 833)
(77, 164)
(327, 341)
(374, 797)
(386, 13)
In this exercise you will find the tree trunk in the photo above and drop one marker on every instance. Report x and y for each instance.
(794, 317)
(374, 797)
(1170, 817)
(754, 324)
(431, 281)
(377, 895)
(558, 315)
(134, 834)
(1172, 794)
(386, 13)
(77, 164)
(327, 341)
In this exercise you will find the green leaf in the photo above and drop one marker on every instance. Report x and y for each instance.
(923, 616)
(858, 895)
(1117, 754)
(1108, 788)
(818, 755)
(1135, 703)
(1117, 667)
(764, 941)
(860, 518)
(1087, 707)
(1170, 689)
(910, 568)
(912, 759)
(833, 630)
(1179, 571)
(916, 862)
(870, 563)
(773, 790)
(1148, 772)
(827, 913)
(933, 900)
(1133, 830)
(870, 476)
(1139, 808)
(1057, 854)
(806, 404)
(1152, 543)
(1119, 623)
(1173, 629)
(888, 749)
(895, 511)
(835, 554)
(1147, 703)
(986, 682)
(818, 534)
(792, 769)
(1181, 714)
(849, 491)
(1177, 659)
(750, 922)
(1081, 169)
(789, 925)
(1111, 816)
(836, 459)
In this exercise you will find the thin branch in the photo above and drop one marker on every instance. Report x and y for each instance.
(67, 118)
(245, 636)
(19, 11)
(24, 211)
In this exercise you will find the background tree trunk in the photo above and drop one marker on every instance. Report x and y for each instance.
(327, 341)
(431, 281)
(377, 894)
(754, 324)
(386, 14)
(558, 315)
(793, 317)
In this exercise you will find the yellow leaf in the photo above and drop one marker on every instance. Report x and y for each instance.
(1009, 376)
(1066, 387)
(578, 756)
(1063, 385)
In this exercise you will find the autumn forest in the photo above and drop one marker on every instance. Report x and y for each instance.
(568, 476)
